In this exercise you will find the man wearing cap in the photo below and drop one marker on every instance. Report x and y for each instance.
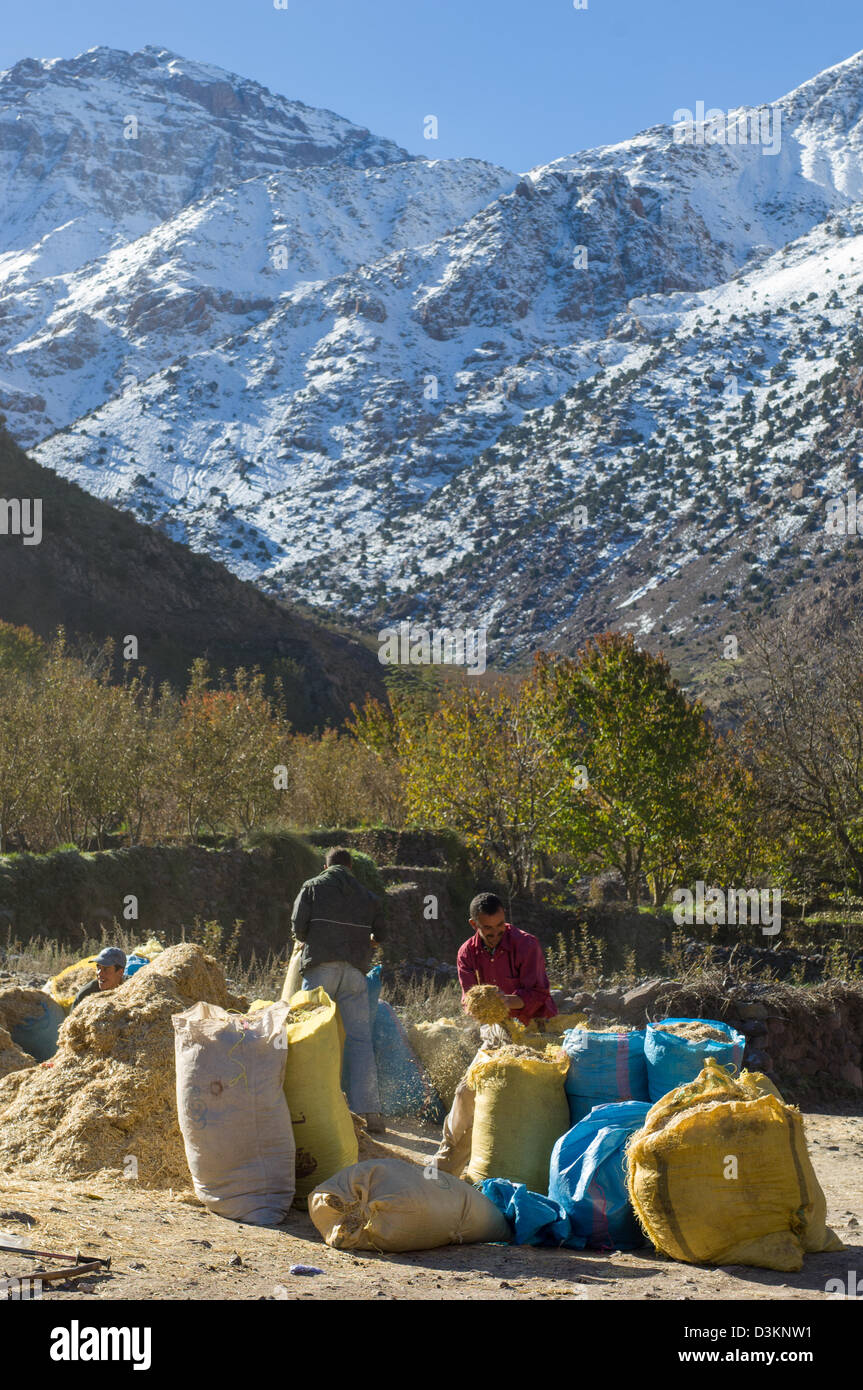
(110, 968)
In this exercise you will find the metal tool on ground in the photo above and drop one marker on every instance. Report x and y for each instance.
(75, 1259)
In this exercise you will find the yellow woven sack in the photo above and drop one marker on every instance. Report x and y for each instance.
(150, 949)
(65, 986)
(323, 1128)
(521, 1111)
(560, 1023)
(720, 1175)
(761, 1084)
(389, 1205)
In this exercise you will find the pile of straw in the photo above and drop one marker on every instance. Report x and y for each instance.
(106, 1102)
(12, 1058)
(18, 1003)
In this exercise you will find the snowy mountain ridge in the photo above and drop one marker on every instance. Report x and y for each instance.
(343, 370)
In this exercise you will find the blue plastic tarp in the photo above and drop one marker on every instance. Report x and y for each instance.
(37, 1033)
(587, 1176)
(533, 1218)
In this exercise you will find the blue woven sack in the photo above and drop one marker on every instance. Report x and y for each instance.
(674, 1061)
(603, 1068)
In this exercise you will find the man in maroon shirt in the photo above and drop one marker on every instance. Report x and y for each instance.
(499, 954)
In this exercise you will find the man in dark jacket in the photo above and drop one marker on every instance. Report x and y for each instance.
(339, 923)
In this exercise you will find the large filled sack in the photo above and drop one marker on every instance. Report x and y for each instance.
(446, 1049)
(761, 1084)
(33, 1019)
(719, 1174)
(604, 1067)
(675, 1050)
(233, 1115)
(520, 1111)
(390, 1205)
(323, 1129)
(453, 1154)
(587, 1176)
(404, 1087)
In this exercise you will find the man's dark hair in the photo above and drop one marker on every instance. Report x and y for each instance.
(485, 905)
(338, 856)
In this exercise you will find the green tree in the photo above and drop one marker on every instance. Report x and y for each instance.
(479, 764)
(616, 713)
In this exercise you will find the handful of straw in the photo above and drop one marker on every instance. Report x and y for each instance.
(483, 1002)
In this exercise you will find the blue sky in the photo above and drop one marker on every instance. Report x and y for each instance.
(515, 83)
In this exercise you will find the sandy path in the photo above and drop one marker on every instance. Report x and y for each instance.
(167, 1247)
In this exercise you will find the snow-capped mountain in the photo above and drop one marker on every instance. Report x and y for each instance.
(386, 384)
(98, 149)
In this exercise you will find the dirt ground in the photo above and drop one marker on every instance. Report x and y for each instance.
(167, 1246)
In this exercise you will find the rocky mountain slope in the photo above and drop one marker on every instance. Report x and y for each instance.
(390, 385)
(99, 573)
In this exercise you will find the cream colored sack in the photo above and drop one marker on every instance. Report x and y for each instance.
(294, 977)
(389, 1205)
(232, 1110)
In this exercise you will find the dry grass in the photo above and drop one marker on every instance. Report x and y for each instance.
(423, 1001)
(706, 995)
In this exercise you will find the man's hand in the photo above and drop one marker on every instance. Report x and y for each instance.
(512, 1001)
